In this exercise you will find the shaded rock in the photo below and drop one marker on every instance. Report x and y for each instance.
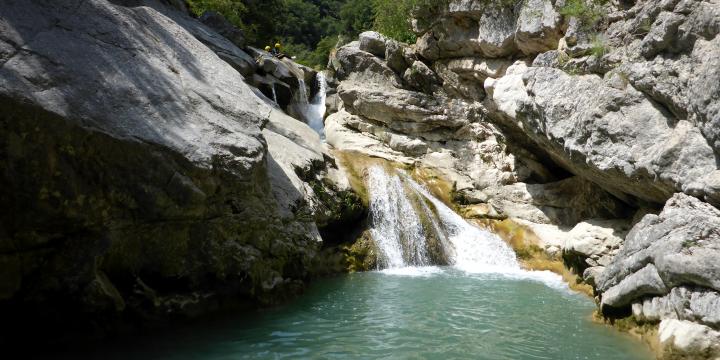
(644, 282)
(223, 27)
(373, 42)
(421, 78)
(395, 56)
(134, 152)
(563, 202)
(427, 47)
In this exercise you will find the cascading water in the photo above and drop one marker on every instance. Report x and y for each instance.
(399, 207)
(274, 94)
(312, 112)
(315, 112)
(302, 93)
(396, 226)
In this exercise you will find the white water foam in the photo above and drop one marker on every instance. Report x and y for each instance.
(413, 271)
(402, 241)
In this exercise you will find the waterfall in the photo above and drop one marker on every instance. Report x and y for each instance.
(316, 110)
(313, 112)
(302, 93)
(413, 228)
(274, 94)
(396, 226)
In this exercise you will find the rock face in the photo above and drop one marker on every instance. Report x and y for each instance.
(583, 128)
(142, 177)
(680, 244)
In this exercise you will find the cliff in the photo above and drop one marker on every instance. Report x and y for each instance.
(143, 178)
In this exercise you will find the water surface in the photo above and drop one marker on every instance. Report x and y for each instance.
(412, 313)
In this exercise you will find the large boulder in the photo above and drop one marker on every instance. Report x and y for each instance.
(538, 27)
(616, 137)
(678, 247)
(373, 42)
(135, 181)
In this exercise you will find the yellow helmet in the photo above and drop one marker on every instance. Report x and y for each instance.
(277, 45)
(267, 48)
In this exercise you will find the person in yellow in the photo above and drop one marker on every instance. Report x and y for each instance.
(276, 50)
(267, 48)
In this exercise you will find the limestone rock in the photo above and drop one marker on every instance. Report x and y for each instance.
(136, 170)
(352, 63)
(682, 243)
(685, 339)
(563, 202)
(644, 282)
(373, 42)
(594, 242)
(617, 138)
(421, 78)
(683, 303)
(395, 56)
(538, 27)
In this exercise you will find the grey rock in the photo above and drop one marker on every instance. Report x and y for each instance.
(427, 47)
(538, 27)
(683, 303)
(223, 27)
(373, 42)
(644, 282)
(395, 56)
(682, 243)
(352, 63)
(421, 78)
(149, 161)
(684, 339)
(618, 139)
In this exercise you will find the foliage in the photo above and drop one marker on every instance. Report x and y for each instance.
(392, 17)
(588, 12)
(233, 10)
(598, 46)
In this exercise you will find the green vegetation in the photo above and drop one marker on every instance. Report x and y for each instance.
(588, 12)
(307, 29)
(598, 46)
(392, 18)
(310, 29)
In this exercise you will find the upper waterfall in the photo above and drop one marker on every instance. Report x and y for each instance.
(411, 227)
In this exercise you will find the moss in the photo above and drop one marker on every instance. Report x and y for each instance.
(436, 183)
(362, 255)
(644, 331)
(532, 257)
